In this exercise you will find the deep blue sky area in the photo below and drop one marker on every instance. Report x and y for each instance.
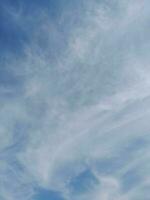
(15, 33)
(12, 35)
(43, 194)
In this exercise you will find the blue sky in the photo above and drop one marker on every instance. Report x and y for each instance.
(74, 100)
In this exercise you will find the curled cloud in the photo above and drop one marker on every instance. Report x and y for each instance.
(76, 120)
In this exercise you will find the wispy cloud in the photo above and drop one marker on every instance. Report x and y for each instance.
(81, 102)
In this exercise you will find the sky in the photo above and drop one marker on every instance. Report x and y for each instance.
(74, 100)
